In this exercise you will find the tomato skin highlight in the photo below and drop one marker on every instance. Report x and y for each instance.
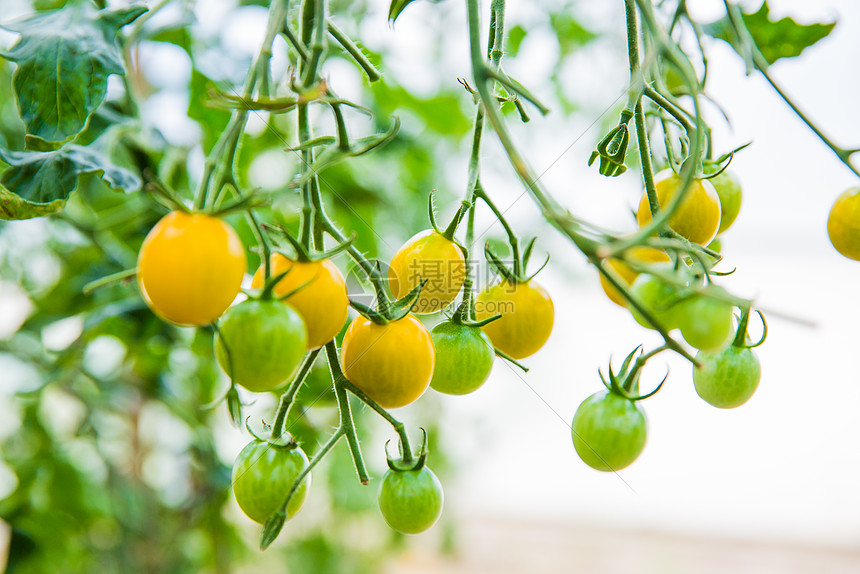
(266, 342)
(464, 358)
(392, 363)
(639, 254)
(190, 268)
(527, 317)
(727, 378)
(843, 224)
(698, 216)
(410, 500)
(609, 431)
(322, 302)
(428, 255)
(263, 475)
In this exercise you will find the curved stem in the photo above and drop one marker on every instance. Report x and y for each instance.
(289, 395)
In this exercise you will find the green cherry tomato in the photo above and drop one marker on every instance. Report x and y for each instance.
(263, 475)
(657, 296)
(706, 323)
(266, 342)
(609, 431)
(464, 358)
(729, 189)
(727, 378)
(410, 500)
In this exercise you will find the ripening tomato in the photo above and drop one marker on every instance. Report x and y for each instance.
(392, 363)
(464, 358)
(698, 216)
(265, 342)
(527, 316)
(660, 297)
(728, 188)
(263, 475)
(428, 256)
(190, 268)
(322, 302)
(727, 378)
(639, 254)
(410, 500)
(843, 225)
(609, 431)
(705, 322)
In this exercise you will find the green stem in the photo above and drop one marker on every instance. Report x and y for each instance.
(346, 421)
(289, 395)
(354, 51)
(314, 23)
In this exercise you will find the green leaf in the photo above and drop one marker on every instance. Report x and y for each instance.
(570, 33)
(39, 183)
(514, 39)
(783, 38)
(64, 58)
(396, 8)
(212, 120)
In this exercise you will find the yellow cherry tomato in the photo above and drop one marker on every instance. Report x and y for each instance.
(190, 268)
(527, 316)
(638, 254)
(428, 255)
(392, 363)
(322, 302)
(843, 225)
(698, 216)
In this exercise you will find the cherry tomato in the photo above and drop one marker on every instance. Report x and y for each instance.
(727, 378)
(190, 268)
(392, 363)
(843, 225)
(716, 245)
(263, 475)
(609, 431)
(527, 316)
(659, 297)
(428, 255)
(706, 323)
(410, 500)
(266, 341)
(698, 216)
(728, 188)
(464, 358)
(322, 302)
(638, 254)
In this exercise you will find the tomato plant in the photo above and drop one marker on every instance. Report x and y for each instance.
(260, 343)
(609, 431)
(706, 322)
(659, 297)
(392, 363)
(316, 289)
(190, 268)
(263, 474)
(728, 188)
(410, 500)
(843, 224)
(727, 378)
(464, 358)
(637, 255)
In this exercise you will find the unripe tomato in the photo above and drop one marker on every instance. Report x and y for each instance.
(728, 188)
(428, 255)
(527, 316)
(410, 500)
(190, 268)
(727, 378)
(660, 298)
(322, 302)
(639, 254)
(266, 342)
(609, 431)
(464, 358)
(706, 323)
(843, 225)
(263, 475)
(392, 363)
(698, 216)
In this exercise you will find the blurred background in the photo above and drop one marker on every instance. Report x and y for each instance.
(114, 458)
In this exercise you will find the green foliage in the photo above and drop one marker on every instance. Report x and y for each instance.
(64, 58)
(784, 38)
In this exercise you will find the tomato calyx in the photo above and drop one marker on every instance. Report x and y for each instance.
(303, 254)
(715, 167)
(282, 441)
(741, 338)
(626, 381)
(408, 461)
(390, 312)
(514, 275)
(448, 232)
(612, 149)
